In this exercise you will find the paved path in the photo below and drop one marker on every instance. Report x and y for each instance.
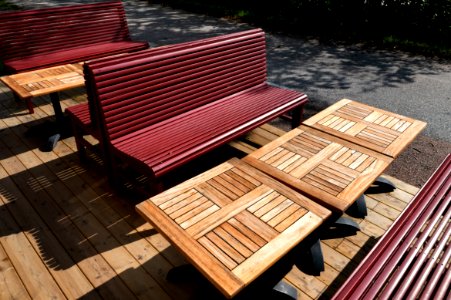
(411, 85)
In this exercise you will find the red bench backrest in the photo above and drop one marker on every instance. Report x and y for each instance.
(40, 31)
(138, 90)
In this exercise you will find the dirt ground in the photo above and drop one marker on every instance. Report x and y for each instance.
(416, 163)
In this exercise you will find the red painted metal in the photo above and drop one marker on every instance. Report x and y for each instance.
(80, 113)
(40, 38)
(438, 278)
(163, 107)
(412, 258)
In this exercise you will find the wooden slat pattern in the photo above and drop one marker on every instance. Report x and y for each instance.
(380, 130)
(118, 218)
(240, 222)
(45, 81)
(332, 171)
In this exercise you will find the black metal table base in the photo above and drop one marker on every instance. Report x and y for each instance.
(188, 273)
(342, 227)
(283, 290)
(381, 185)
(358, 208)
(310, 260)
(60, 128)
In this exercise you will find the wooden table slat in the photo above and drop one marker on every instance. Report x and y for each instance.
(332, 171)
(248, 221)
(45, 81)
(374, 128)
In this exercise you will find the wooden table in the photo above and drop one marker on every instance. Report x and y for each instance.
(49, 81)
(233, 222)
(45, 81)
(374, 128)
(333, 171)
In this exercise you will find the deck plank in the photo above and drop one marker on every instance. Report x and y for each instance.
(82, 239)
(24, 258)
(73, 282)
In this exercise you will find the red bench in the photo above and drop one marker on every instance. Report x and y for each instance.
(412, 259)
(84, 118)
(162, 107)
(40, 38)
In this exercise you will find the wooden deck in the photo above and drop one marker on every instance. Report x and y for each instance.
(65, 234)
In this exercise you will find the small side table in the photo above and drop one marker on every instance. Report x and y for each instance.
(380, 130)
(49, 81)
(233, 222)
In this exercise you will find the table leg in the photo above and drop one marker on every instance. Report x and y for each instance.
(60, 123)
(358, 208)
(342, 227)
(310, 258)
(283, 290)
(381, 185)
(188, 273)
(55, 98)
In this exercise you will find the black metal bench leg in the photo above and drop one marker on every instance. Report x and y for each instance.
(358, 208)
(27, 101)
(381, 185)
(296, 116)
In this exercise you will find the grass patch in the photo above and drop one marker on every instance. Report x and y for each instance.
(429, 49)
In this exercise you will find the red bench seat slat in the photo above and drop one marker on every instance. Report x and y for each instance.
(71, 56)
(412, 259)
(170, 143)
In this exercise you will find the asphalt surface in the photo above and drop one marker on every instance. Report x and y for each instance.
(411, 85)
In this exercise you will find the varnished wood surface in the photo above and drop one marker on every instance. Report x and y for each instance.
(64, 234)
(374, 128)
(331, 170)
(233, 222)
(45, 81)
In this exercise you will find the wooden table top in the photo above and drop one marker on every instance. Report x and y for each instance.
(45, 81)
(332, 171)
(232, 222)
(374, 128)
